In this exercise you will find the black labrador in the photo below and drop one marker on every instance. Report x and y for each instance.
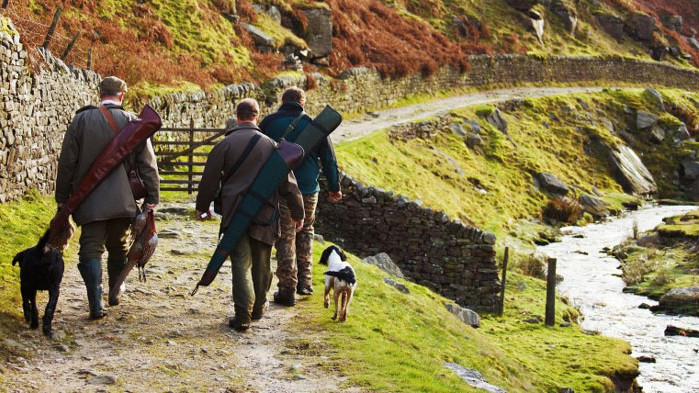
(41, 268)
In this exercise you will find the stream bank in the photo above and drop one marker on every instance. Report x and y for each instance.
(593, 284)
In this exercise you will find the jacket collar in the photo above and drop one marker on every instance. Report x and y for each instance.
(111, 104)
(291, 107)
(244, 126)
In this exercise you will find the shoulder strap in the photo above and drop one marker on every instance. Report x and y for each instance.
(110, 119)
(241, 159)
(292, 125)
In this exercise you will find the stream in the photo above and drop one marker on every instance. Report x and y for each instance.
(592, 284)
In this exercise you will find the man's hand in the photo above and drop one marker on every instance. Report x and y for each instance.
(335, 196)
(150, 206)
(203, 216)
(298, 225)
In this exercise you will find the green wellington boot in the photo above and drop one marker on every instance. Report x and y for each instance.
(91, 271)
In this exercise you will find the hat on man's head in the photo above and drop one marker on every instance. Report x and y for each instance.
(112, 85)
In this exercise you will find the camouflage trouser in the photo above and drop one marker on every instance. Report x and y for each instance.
(295, 250)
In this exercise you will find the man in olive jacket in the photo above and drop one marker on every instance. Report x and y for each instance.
(106, 214)
(252, 274)
(294, 250)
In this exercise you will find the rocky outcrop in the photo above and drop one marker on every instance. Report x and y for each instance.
(567, 13)
(384, 262)
(537, 23)
(645, 120)
(642, 26)
(263, 42)
(522, 5)
(630, 172)
(594, 206)
(473, 378)
(466, 315)
(611, 24)
(550, 183)
(681, 300)
(671, 330)
(497, 120)
(319, 31)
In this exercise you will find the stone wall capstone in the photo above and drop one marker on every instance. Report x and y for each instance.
(453, 259)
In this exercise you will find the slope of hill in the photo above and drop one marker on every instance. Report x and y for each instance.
(153, 43)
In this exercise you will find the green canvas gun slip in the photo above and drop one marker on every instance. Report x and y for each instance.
(274, 171)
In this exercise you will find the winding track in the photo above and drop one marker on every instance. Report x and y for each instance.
(354, 129)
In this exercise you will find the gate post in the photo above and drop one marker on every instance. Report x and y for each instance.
(190, 184)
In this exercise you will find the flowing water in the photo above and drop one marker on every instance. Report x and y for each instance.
(590, 282)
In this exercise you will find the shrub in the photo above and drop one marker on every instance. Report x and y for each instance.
(562, 210)
(663, 276)
(533, 265)
(311, 82)
(634, 270)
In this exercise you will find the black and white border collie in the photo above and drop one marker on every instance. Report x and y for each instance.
(340, 277)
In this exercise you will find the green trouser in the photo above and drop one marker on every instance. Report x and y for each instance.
(252, 274)
(113, 234)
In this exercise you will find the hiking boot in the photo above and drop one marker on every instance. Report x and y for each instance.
(304, 290)
(285, 297)
(115, 296)
(258, 313)
(241, 321)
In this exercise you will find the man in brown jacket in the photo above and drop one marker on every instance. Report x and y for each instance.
(106, 214)
(237, 159)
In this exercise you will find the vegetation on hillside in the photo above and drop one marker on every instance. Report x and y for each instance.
(492, 184)
(174, 43)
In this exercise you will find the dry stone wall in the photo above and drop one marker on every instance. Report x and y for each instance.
(453, 259)
(34, 111)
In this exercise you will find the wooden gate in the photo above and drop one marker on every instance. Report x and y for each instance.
(181, 162)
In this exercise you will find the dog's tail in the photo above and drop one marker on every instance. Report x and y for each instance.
(346, 275)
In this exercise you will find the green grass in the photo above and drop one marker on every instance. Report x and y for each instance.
(400, 342)
(560, 135)
(21, 225)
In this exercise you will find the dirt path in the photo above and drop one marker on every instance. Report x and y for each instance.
(374, 121)
(161, 339)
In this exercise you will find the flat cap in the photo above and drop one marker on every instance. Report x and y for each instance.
(113, 85)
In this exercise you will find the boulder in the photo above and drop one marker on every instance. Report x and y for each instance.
(550, 183)
(594, 206)
(400, 287)
(645, 120)
(458, 129)
(657, 134)
(260, 39)
(673, 22)
(642, 26)
(693, 42)
(681, 299)
(466, 315)
(473, 378)
(475, 127)
(473, 140)
(690, 169)
(611, 24)
(655, 97)
(522, 5)
(385, 263)
(496, 119)
(319, 31)
(630, 172)
(537, 22)
(461, 27)
(269, 9)
(682, 133)
(677, 331)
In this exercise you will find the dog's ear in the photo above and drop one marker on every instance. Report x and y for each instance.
(343, 257)
(324, 256)
(18, 259)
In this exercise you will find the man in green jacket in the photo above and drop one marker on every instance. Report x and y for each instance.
(294, 250)
(105, 215)
(236, 161)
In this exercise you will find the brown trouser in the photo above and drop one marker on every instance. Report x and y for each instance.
(252, 274)
(113, 234)
(295, 250)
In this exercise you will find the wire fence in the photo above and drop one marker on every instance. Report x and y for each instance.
(33, 32)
